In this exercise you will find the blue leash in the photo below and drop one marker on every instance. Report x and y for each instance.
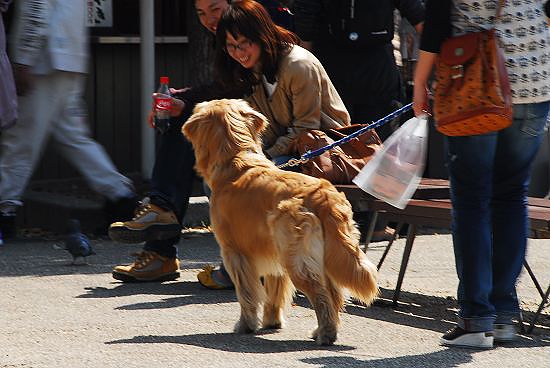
(309, 154)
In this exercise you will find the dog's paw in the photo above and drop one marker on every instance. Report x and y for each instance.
(324, 337)
(273, 326)
(241, 327)
(273, 322)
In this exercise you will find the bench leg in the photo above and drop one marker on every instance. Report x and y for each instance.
(411, 234)
(370, 230)
(395, 235)
(541, 292)
(532, 275)
(539, 311)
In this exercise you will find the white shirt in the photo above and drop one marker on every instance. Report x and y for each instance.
(269, 87)
(51, 34)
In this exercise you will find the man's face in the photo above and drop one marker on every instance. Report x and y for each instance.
(210, 12)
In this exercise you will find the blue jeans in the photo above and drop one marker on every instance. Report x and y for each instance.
(489, 176)
(172, 183)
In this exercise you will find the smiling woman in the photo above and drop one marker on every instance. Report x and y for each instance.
(285, 82)
(243, 46)
(244, 51)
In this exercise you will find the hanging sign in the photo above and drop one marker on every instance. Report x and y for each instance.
(99, 13)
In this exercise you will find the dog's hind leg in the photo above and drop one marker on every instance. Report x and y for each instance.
(336, 295)
(249, 290)
(299, 236)
(320, 298)
(279, 292)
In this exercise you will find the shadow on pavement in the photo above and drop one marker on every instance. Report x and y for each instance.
(254, 344)
(187, 292)
(235, 343)
(414, 310)
(31, 257)
(443, 358)
(426, 312)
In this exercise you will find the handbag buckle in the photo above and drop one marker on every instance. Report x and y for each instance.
(458, 71)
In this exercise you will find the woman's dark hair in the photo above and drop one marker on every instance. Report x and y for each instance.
(250, 20)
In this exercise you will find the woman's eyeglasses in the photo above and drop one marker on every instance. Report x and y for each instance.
(243, 46)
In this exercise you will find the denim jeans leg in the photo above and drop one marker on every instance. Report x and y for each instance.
(516, 150)
(172, 183)
(470, 162)
(173, 172)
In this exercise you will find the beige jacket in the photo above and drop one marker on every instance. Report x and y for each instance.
(304, 98)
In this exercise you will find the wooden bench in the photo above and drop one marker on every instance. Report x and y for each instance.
(431, 207)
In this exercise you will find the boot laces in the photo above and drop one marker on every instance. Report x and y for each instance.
(143, 258)
(143, 208)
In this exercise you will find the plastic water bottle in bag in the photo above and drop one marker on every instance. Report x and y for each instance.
(393, 174)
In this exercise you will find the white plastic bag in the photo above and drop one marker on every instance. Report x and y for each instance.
(393, 174)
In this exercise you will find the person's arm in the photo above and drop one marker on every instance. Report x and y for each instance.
(437, 27)
(304, 83)
(185, 99)
(29, 37)
(31, 31)
(424, 66)
(207, 92)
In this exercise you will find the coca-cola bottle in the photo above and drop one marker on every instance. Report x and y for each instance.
(162, 104)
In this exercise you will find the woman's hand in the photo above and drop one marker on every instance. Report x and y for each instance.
(421, 105)
(176, 108)
(173, 91)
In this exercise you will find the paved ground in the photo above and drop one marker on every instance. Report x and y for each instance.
(53, 314)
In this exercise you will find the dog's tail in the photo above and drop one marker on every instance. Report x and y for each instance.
(345, 263)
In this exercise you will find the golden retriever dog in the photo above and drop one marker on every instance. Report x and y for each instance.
(277, 229)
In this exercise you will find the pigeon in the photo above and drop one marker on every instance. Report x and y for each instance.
(77, 243)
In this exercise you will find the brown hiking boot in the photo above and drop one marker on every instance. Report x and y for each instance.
(151, 222)
(149, 266)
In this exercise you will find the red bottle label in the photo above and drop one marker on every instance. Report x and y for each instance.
(163, 103)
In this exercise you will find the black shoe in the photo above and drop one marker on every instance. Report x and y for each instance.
(7, 226)
(462, 338)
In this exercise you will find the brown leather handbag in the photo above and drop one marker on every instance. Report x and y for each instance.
(472, 95)
(340, 164)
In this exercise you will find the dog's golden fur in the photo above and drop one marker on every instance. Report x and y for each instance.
(290, 228)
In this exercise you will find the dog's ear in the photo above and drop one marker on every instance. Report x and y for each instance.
(244, 124)
(258, 120)
(190, 127)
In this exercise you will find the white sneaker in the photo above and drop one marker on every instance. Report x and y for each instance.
(504, 333)
(462, 338)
